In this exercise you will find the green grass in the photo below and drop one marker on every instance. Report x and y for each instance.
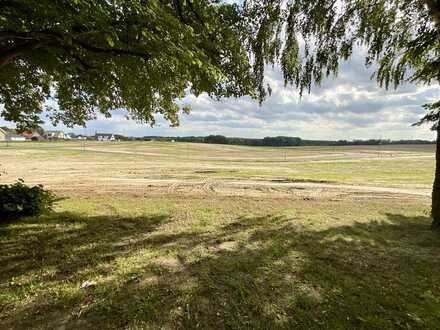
(175, 262)
(386, 173)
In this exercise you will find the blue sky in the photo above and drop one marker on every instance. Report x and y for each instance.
(350, 106)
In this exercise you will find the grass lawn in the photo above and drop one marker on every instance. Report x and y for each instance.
(193, 262)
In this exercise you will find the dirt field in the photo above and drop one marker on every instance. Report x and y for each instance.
(160, 167)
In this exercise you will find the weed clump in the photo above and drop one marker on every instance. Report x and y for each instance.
(18, 200)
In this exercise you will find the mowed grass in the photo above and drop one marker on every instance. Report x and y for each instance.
(210, 260)
(61, 164)
(184, 262)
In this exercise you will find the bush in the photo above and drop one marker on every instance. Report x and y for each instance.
(18, 200)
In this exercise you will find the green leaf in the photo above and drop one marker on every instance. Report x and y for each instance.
(110, 41)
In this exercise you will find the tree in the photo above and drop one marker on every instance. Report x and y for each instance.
(39, 130)
(281, 141)
(101, 55)
(309, 39)
(216, 139)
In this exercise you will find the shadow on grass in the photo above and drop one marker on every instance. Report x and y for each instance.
(266, 272)
(69, 242)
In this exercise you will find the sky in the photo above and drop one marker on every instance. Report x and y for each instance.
(349, 107)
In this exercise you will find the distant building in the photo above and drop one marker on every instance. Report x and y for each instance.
(15, 137)
(32, 136)
(73, 136)
(105, 137)
(55, 135)
(7, 134)
(3, 134)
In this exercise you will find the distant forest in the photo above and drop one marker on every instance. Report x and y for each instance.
(278, 141)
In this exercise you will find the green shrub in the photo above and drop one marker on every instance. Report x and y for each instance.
(18, 200)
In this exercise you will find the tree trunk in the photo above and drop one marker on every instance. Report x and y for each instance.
(435, 208)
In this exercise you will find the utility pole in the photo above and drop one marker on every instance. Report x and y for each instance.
(84, 139)
(379, 151)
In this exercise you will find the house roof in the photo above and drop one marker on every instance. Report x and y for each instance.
(7, 130)
(104, 134)
(31, 134)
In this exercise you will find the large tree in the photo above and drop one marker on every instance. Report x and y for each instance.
(309, 39)
(142, 55)
(96, 56)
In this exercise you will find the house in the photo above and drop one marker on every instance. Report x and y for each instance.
(15, 137)
(32, 136)
(2, 134)
(73, 136)
(7, 134)
(55, 135)
(105, 137)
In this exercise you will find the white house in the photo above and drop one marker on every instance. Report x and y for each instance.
(73, 136)
(105, 137)
(15, 137)
(55, 135)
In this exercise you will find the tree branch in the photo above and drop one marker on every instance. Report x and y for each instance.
(54, 39)
(196, 14)
(434, 8)
(114, 51)
(179, 10)
(10, 54)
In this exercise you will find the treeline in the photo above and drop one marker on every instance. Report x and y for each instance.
(277, 141)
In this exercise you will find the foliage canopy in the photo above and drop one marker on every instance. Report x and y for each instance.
(310, 38)
(97, 56)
